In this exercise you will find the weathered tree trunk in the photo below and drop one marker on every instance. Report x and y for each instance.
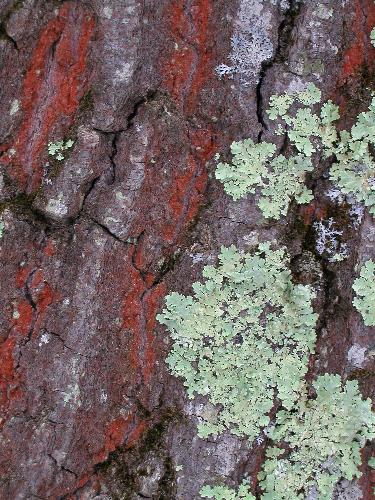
(93, 243)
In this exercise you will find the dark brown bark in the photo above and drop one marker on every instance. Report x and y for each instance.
(92, 245)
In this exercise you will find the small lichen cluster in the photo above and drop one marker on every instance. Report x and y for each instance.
(243, 339)
(354, 170)
(324, 437)
(278, 179)
(254, 167)
(364, 287)
(56, 149)
(223, 493)
(307, 131)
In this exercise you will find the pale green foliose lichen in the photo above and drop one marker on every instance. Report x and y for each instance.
(354, 170)
(307, 131)
(364, 287)
(256, 168)
(242, 339)
(278, 179)
(224, 493)
(324, 437)
(56, 148)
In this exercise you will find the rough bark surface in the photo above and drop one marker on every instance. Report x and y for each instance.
(92, 244)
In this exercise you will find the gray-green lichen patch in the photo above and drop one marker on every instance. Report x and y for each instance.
(254, 167)
(364, 287)
(278, 179)
(225, 493)
(56, 149)
(324, 437)
(354, 169)
(243, 338)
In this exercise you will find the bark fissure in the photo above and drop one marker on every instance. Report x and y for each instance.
(284, 42)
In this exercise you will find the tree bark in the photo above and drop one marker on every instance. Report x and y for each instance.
(92, 244)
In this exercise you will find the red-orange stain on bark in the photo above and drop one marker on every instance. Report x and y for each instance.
(133, 314)
(49, 250)
(135, 434)
(6, 374)
(44, 299)
(9, 379)
(152, 304)
(140, 307)
(53, 85)
(189, 187)
(21, 326)
(23, 320)
(27, 320)
(114, 437)
(200, 12)
(177, 69)
(119, 432)
(181, 189)
(312, 212)
(188, 67)
(360, 51)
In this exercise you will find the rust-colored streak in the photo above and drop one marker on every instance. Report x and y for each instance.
(360, 52)
(49, 250)
(27, 321)
(188, 188)
(6, 374)
(189, 66)
(9, 378)
(133, 314)
(114, 436)
(135, 434)
(177, 68)
(140, 307)
(201, 12)
(312, 212)
(152, 303)
(181, 189)
(53, 85)
(24, 317)
(121, 431)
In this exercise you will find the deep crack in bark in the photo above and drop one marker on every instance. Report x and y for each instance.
(280, 56)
